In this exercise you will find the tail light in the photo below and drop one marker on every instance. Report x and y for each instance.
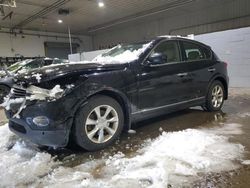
(226, 64)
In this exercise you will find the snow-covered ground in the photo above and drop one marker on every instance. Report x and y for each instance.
(175, 158)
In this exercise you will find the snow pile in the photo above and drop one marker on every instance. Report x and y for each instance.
(175, 158)
(182, 154)
(246, 162)
(124, 57)
(21, 164)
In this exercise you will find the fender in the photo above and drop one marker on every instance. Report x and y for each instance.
(121, 98)
(222, 78)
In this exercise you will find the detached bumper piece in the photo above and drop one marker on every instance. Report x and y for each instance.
(52, 138)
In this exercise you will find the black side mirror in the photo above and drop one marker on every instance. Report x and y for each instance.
(157, 58)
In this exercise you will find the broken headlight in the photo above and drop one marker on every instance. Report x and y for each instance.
(37, 93)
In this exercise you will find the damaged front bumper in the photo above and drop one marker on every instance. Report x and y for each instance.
(54, 133)
(43, 120)
(46, 137)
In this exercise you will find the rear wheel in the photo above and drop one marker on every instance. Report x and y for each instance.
(98, 123)
(215, 97)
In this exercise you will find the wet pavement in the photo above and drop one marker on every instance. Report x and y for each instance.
(2, 117)
(235, 114)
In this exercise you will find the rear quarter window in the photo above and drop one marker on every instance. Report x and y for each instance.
(207, 52)
(194, 52)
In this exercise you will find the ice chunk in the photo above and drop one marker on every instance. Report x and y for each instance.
(56, 91)
(8, 102)
(38, 77)
(130, 131)
(38, 93)
(246, 162)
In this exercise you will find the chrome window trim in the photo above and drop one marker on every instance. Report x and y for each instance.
(180, 62)
(180, 53)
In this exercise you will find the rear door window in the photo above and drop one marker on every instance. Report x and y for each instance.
(195, 52)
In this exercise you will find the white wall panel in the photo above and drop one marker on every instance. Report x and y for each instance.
(232, 46)
(34, 45)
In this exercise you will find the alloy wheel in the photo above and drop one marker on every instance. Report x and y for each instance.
(101, 124)
(217, 96)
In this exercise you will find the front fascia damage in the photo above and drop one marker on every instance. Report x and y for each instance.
(19, 95)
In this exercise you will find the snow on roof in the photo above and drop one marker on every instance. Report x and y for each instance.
(125, 57)
(191, 36)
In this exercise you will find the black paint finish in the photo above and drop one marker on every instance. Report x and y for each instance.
(143, 90)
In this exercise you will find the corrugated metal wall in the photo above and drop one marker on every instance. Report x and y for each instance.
(202, 16)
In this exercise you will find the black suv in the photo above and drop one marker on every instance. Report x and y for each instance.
(92, 102)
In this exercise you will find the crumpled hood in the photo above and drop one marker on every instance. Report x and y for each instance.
(55, 71)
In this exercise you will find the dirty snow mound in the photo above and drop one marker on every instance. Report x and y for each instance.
(246, 162)
(174, 158)
(244, 115)
(21, 164)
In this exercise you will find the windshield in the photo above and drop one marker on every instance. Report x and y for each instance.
(122, 53)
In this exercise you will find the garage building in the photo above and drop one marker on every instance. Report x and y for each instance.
(204, 145)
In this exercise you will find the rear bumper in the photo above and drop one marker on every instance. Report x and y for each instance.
(46, 137)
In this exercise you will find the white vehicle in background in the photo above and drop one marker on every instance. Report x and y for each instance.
(29, 64)
(22, 67)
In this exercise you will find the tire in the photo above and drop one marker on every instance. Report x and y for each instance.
(215, 97)
(95, 128)
(4, 91)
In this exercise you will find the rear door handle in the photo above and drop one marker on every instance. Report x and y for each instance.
(182, 74)
(211, 69)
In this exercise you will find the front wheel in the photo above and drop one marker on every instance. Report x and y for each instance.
(215, 97)
(98, 123)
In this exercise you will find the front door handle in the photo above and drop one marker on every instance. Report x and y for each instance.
(211, 69)
(182, 74)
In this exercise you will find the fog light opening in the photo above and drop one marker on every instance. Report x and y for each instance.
(41, 121)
